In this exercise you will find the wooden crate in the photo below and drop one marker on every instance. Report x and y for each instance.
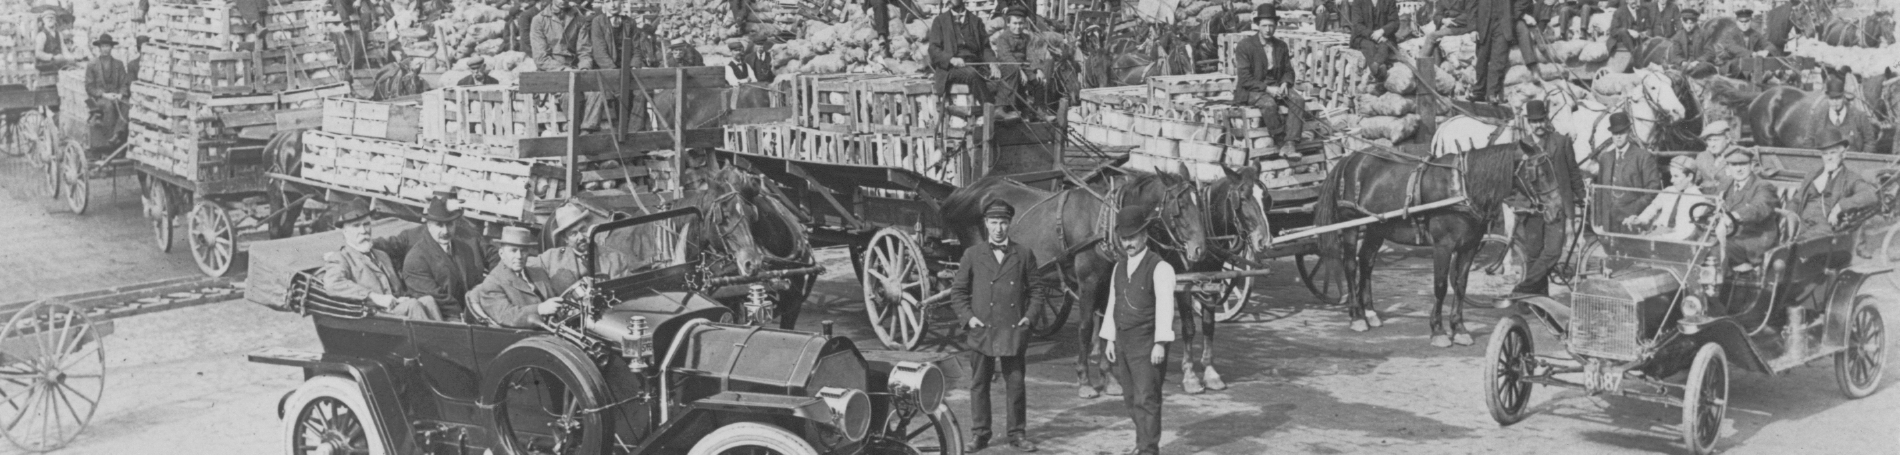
(493, 116)
(896, 105)
(1171, 88)
(399, 122)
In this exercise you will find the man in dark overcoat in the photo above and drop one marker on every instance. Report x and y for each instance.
(1541, 231)
(1375, 27)
(958, 45)
(1630, 25)
(1139, 324)
(991, 293)
(1625, 164)
(1264, 78)
(1825, 196)
(443, 266)
(1496, 21)
(1748, 212)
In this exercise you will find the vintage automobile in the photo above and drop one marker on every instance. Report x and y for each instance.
(1646, 309)
(630, 366)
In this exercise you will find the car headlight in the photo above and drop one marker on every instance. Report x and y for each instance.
(850, 411)
(1693, 307)
(921, 383)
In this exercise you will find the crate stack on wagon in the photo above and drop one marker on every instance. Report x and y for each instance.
(870, 120)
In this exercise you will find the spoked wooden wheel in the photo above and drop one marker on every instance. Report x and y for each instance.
(1511, 357)
(78, 191)
(896, 282)
(1320, 277)
(1705, 399)
(1054, 303)
(213, 240)
(1497, 256)
(1858, 368)
(157, 202)
(915, 431)
(1231, 301)
(52, 372)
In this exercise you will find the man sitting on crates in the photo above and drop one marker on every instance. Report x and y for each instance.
(959, 44)
(107, 85)
(1264, 79)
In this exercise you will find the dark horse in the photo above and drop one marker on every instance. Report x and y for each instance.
(1236, 225)
(1069, 233)
(749, 227)
(1137, 53)
(1875, 30)
(1789, 117)
(1368, 183)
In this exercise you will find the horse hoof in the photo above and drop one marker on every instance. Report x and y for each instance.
(1086, 392)
(1462, 339)
(1441, 341)
(1213, 380)
(1114, 389)
(1372, 319)
(1359, 326)
(1191, 382)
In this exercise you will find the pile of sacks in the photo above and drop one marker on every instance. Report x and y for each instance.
(852, 47)
(700, 23)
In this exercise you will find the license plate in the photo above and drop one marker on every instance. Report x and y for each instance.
(1599, 377)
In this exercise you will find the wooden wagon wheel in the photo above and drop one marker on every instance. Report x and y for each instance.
(213, 240)
(1234, 295)
(52, 372)
(157, 202)
(896, 282)
(1317, 273)
(78, 191)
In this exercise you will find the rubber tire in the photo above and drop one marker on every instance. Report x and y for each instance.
(1492, 352)
(753, 434)
(342, 389)
(1709, 354)
(1848, 388)
(570, 366)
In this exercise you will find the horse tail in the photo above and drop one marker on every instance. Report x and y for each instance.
(1326, 211)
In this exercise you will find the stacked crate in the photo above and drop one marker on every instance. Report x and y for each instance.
(489, 116)
(400, 122)
(299, 50)
(72, 102)
(1188, 121)
(17, 44)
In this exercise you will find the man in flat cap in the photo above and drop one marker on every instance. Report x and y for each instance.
(1748, 212)
(477, 73)
(1827, 195)
(991, 293)
(1139, 325)
(1624, 164)
(358, 271)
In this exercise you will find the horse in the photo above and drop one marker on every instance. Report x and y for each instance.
(750, 227)
(1369, 183)
(1070, 233)
(1665, 97)
(1875, 30)
(1236, 223)
(1789, 117)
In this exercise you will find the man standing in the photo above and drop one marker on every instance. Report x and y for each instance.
(442, 267)
(759, 60)
(1496, 21)
(1375, 26)
(1747, 216)
(1851, 121)
(1625, 164)
(358, 271)
(958, 44)
(1541, 231)
(1835, 191)
(991, 292)
(515, 294)
(880, 20)
(1264, 78)
(1139, 325)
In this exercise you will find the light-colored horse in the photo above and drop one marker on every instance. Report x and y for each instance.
(1575, 112)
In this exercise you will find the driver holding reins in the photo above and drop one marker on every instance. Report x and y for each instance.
(515, 294)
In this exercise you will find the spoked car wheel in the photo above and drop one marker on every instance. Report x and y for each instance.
(896, 282)
(328, 415)
(1511, 358)
(1705, 399)
(78, 190)
(546, 395)
(752, 438)
(1858, 368)
(52, 373)
(914, 432)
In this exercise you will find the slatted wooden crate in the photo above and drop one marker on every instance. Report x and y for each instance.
(495, 116)
(896, 105)
(212, 25)
(828, 101)
(72, 101)
(1189, 87)
(399, 122)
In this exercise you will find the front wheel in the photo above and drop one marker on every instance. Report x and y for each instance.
(1705, 399)
(911, 431)
(1510, 358)
(751, 438)
(1858, 368)
(328, 414)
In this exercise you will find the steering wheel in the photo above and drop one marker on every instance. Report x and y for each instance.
(1705, 217)
(571, 306)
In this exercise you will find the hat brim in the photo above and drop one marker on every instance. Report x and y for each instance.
(530, 244)
(351, 217)
(452, 216)
(105, 43)
(1131, 229)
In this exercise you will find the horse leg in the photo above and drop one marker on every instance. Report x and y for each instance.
(1089, 299)
(1349, 266)
(1368, 255)
(1462, 269)
(1441, 274)
(1185, 304)
(1209, 377)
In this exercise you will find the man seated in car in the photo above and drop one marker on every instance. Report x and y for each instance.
(358, 271)
(1748, 213)
(515, 294)
(1668, 215)
(1830, 194)
(563, 264)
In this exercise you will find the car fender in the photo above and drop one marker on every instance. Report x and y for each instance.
(731, 407)
(1554, 314)
(1731, 336)
(1843, 298)
(379, 389)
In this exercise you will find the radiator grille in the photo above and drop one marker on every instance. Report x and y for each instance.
(1604, 327)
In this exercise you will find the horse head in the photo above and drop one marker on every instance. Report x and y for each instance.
(729, 207)
(1659, 91)
(1879, 29)
(1245, 200)
(1534, 177)
(1180, 212)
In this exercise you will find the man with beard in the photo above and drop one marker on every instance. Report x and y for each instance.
(358, 271)
(1139, 325)
(563, 264)
(1264, 78)
(442, 267)
(1541, 231)
(958, 46)
(991, 293)
(516, 293)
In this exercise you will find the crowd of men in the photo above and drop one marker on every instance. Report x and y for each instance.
(962, 54)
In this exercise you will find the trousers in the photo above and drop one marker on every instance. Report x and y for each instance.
(1542, 241)
(1575, 12)
(1015, 400)
(1494, 61)
(1285, 126)
(1141, 387)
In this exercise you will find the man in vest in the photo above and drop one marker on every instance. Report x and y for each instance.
(991, 292)
(759, 60)
(737, 71)
(1138, 326)
(1264, 78)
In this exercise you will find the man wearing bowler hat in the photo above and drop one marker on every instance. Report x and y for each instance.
(461, 229)
(1139, 324)
(358, 271)
(443, 266)
(1843, 115)
(516, 293)
(991, 293)
(1624, 164)
(1541, 230)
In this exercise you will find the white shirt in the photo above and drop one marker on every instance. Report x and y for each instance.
(1679, 224)
(1164, 300)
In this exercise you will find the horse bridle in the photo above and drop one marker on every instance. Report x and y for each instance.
(1175, 242)
(1236, 207)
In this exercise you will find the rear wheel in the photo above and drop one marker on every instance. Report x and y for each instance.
(749, 438)
(78, 190)
(1511, 357)
(328, 415)
(1320, 277)
(213, 240)
(1858, 368)
(896, 282)
(545, 392)
(1705, 399)
(157, 202)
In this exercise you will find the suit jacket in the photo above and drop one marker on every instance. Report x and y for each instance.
(354, 275)
(1372, 16)
(1011, 47)
(1668, 21)
(1636, 168)
(760, 62)
(446, 275)
(996, 293)
(1857, 125)
(1752, 205)
(1848, 190)
(508, 299)
(950, 39)
(107, 75)
(602, 50)
(1260, 63)
(1563, 169)
(1632, 17)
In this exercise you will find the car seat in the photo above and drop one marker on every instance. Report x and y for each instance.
(474, 313)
